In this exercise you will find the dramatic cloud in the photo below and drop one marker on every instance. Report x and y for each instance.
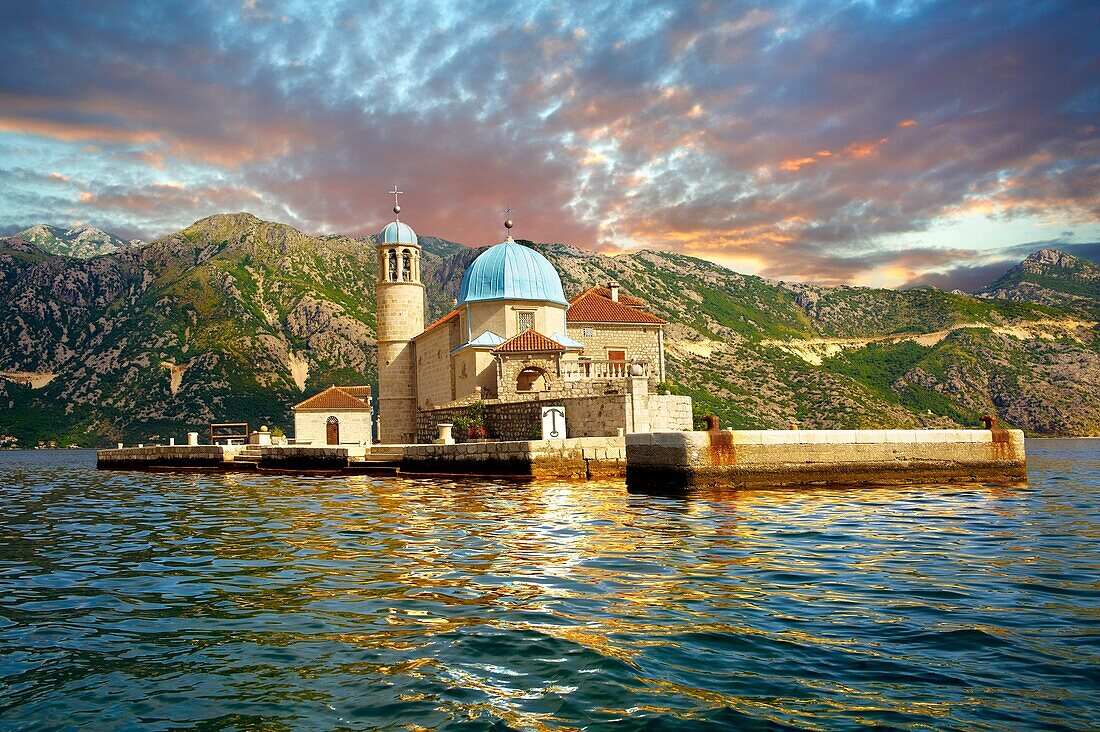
(834, 141)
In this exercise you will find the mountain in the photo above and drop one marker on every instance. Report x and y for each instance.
(83, 242)
(235, 318)
(1052, 277)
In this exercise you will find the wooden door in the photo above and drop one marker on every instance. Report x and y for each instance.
(617, 366)
(332, 431)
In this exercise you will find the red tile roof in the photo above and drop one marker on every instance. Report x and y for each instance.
(337, 397)
(445, 319)
(592, 307)
(625, 299)
(529, 340)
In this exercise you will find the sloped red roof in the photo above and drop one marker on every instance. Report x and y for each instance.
(592, 307)
(337, 397)
(529, 340)
(360, 392)
(445, 319)
(625, 299)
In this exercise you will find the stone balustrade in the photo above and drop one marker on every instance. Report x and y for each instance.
(602, 369)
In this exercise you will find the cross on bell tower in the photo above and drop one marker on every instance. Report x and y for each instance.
(396, 206)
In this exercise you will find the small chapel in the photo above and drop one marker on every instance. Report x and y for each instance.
(513, 341)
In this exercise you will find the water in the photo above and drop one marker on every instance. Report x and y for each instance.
(186, 601)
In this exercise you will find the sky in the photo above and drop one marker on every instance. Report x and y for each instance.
(868, 143)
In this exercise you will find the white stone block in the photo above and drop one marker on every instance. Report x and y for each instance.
(813, 437)
(748, 437)
(870, 436)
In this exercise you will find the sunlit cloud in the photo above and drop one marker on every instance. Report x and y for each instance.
(835, 142)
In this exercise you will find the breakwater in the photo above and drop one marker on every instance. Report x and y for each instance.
(662, 460)
(752, 458)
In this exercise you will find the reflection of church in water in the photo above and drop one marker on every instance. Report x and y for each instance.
(512, 336)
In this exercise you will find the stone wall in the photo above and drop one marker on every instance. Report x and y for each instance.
(161, 456)
(750, 458)
(577, 459)
(434, 378)
(303, 458)
(600, 415)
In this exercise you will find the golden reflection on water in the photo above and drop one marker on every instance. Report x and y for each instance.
(526, 534)
(517, 602)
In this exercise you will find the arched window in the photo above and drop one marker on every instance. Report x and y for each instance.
(332, 431)
(393, 265)
(406, 266)
(531, 379)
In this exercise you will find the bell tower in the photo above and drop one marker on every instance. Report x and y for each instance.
(399, 315)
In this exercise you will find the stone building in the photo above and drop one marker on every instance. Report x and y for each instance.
(514, 338)
(339, 415)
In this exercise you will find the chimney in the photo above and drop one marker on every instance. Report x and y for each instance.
(614, 287)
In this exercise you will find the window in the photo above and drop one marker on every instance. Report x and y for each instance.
(588, 332)
(393, 265)
(525, 320)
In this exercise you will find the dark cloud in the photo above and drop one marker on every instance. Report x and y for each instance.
(802, 137)
(972, 278)
(967, 279)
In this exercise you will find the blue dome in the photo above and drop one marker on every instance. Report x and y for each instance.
(510, 271)
(397, 233)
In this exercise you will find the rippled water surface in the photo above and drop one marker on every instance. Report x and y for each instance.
(177, 601)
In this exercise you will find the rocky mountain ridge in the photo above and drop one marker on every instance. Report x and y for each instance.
(1051, 277)
(235, 318)
(82, 242)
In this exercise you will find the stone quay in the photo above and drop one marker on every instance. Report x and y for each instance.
(767, 458)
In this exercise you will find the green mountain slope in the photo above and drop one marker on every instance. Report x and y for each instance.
(235, 319)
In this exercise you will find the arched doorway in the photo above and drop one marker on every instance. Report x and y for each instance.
(332, 431)
(531, 379)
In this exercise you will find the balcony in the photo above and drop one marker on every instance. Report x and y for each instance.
(600, 369)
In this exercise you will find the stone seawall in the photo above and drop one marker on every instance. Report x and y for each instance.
(574, 458)
(303, 458)
(161, 456)
(750, 458)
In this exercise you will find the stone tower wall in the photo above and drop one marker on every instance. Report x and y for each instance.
(399, 317)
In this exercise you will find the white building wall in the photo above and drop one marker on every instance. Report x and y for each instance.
(355, 426)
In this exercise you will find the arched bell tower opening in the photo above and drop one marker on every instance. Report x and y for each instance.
(399, 296)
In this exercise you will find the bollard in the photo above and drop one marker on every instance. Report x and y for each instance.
(120, 446)
(171, 442)
(445, 437)
(192, 438)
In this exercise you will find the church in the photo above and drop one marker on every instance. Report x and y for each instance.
(512, 342)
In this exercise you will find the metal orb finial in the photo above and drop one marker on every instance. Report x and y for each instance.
(397, 209)
(508, 224)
